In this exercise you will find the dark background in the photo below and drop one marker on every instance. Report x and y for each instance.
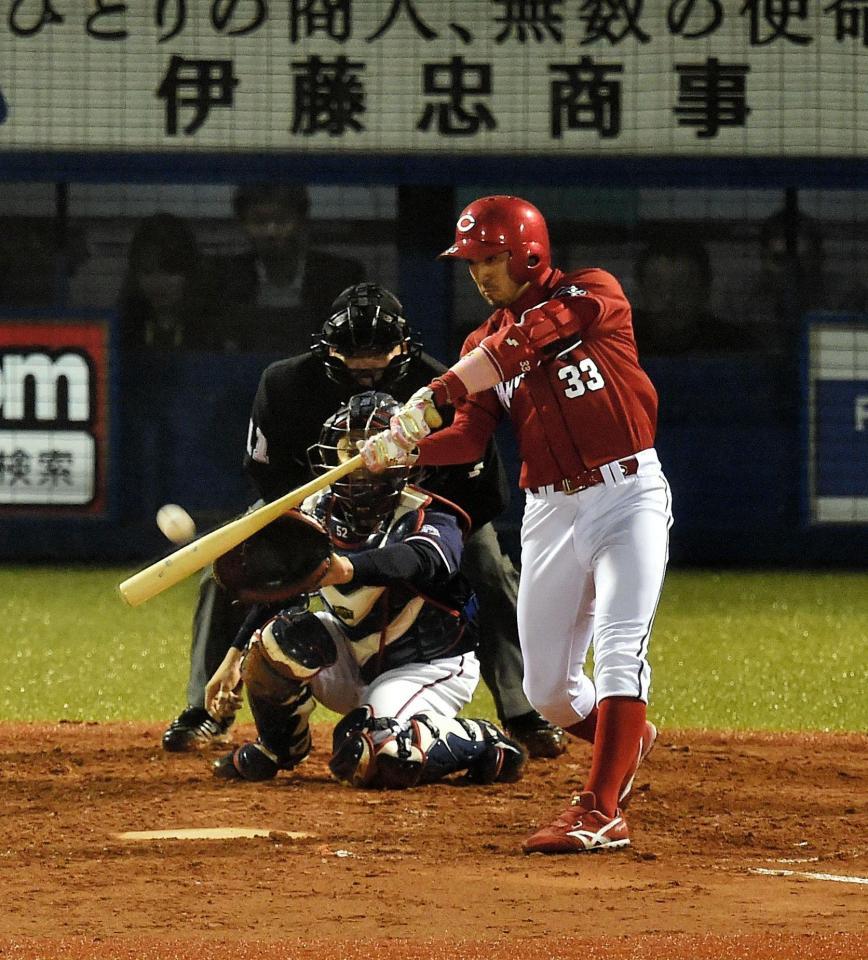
(731, 434)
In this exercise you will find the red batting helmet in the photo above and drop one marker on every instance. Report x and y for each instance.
(491, 225)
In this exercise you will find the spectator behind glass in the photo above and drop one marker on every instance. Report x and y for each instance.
(162, 304)
(276, 293)
(672, 316)
(793, 280)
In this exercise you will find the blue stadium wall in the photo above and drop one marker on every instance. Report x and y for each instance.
(731, 438)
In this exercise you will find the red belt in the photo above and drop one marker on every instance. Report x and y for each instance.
(590, 478)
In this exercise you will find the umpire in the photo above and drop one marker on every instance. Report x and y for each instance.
(366, 344)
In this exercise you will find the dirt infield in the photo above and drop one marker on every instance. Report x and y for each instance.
(434, 872)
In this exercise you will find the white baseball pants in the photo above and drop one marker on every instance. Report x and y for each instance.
(593, 564)
(440, 687)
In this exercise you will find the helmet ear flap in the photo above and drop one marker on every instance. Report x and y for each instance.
(534, 252)
(529, 262)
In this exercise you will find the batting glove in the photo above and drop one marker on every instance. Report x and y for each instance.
(415, 419)
(379, 452)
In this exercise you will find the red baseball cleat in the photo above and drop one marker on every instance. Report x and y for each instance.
(646, 745)
(580, 829)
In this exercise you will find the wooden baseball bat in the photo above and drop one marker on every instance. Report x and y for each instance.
(186, 560)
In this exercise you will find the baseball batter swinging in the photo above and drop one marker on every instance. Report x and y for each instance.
(558, 355)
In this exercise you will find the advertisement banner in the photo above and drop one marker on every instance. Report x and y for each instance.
(54, 416)
(838, 422)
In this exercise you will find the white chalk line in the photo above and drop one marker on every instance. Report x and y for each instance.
(212, 833)
(807, 873)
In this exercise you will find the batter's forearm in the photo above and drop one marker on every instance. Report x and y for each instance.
(473, 373)
(509, 352)
(463, 442)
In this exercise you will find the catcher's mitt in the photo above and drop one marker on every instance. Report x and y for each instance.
(283, 560)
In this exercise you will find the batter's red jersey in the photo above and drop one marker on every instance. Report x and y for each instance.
(586, 403)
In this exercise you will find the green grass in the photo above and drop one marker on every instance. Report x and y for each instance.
(762, 650)
(758, 650)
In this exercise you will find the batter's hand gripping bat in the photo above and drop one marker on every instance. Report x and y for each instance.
(180, 564)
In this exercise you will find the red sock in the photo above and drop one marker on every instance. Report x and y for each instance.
(585, 729)
(620, 725)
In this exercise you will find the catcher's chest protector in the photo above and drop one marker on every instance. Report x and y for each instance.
(390, 626)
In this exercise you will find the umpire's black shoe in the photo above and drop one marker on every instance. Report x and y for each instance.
(195, 728)
(539, 737)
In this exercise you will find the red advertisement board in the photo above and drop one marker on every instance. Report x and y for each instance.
(54, 415)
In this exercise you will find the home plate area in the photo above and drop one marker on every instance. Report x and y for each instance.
(743, 845)
(213, 833)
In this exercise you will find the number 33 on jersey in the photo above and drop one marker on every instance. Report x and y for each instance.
(575, 383)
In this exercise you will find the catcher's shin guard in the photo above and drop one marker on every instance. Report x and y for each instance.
(383, 752)
(251, 761)
(371, 751)
(399, 760)
(284, 728)
(445, 745)
(285, 655)
(352, 759)
(502, 762)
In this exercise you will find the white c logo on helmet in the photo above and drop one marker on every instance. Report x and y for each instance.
(466, 222)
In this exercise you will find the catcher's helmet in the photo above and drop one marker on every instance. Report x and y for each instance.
(493, 225)
(362, 500)
(366, 320)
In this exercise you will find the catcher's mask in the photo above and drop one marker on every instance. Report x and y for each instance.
(366, 322)
(362, 500)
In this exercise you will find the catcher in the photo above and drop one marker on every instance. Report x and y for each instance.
(386, 637)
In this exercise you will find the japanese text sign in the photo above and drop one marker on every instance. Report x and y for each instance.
(704, 77)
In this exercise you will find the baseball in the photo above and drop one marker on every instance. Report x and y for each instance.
(175, 523)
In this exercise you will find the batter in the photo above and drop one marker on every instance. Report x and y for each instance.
(558, 357)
